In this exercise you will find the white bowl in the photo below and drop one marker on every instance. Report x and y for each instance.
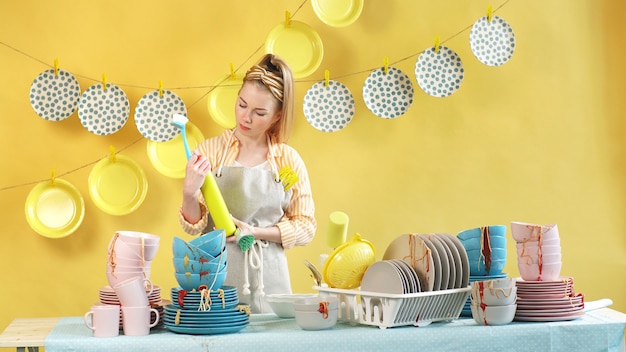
(530, 272)
(493, 296)
(523, 231)
(493, 315)
(282, 304)
(313, 303)
(314, 320)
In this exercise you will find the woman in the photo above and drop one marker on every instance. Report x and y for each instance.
(247, 162)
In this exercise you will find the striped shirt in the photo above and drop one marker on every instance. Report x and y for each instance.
(297, 227)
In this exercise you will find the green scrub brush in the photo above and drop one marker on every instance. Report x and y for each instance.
(213, 196)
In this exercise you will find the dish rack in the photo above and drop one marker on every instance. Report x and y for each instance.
(389, 310)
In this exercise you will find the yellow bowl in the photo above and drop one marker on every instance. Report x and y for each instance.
(345, 267)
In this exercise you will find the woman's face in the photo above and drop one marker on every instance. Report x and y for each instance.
(256, 109)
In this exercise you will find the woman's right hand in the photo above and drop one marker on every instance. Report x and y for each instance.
(197, 168)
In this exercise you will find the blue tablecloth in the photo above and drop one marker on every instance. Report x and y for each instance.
(266, 332)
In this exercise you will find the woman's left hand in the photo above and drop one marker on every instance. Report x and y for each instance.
(243, 228)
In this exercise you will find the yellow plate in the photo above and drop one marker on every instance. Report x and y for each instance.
(222, 100)
(346, 265)
(337, 13)
(169, 157)
(119, 186)
(299, 45)
(54, 209)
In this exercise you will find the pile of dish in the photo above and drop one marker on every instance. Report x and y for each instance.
(201, 262)
(548, 300)
(130, 254)
(390, 276)
(439, 260)
(538, 251)
(205, 312)
(493, 301)
(467, 308)
(107, 295)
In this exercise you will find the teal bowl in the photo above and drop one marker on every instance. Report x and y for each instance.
(190, 282)
(474, 243)
(477, 267)
(494, 231)
(496, 254)
(181, 248)
(196, 267)
(212, 242)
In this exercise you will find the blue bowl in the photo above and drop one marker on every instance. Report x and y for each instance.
(494, 231)
(477, 267)
(182, 248)
(193, 281)
(474, 242)
(496, 254)
(212, 242)
(196, 267)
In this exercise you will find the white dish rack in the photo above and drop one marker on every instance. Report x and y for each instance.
(389, 310)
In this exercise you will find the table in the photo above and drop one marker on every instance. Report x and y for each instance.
(598, 330)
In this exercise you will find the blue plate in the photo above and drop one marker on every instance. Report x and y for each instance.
(205, 331)
(206, 321)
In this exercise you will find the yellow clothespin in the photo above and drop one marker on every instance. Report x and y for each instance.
(52, 178)
(104, 81)
(287, 19)
(288, 177)
(489, 13)
(56, 67)
(326, 78)
(386, 66)
(160, 88)
(233, 76)
(437, 44)
(112, 153)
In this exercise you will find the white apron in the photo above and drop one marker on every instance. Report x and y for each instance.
(257, 197)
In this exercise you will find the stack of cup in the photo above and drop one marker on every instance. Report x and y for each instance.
(494, 301)
(538, 251)
(130, 254)
(136, 310)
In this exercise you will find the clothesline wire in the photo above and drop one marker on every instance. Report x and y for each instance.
(211, 88)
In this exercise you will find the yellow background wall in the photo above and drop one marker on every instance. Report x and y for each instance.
(539, 139)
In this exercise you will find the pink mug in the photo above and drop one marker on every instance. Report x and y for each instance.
(103, 320)
(136, 320)
(132, 292)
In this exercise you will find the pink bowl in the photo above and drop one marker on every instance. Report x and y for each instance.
(524, 232)
(118, 248)
(545, 259)
(117, 277)
(134, 237)
(523, 250)
(530, 272)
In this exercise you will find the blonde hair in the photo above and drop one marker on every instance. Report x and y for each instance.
(273, 73)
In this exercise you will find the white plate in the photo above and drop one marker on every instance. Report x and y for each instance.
(414, 251)
(493, 43)
(153, 115)
(465, 268)
(328, 109)
(54, 97)
(103, 112)
(382, 277)
(452, 260)
(414, 282)
(439, 74)
(388, 95)
(443, 260)
(436, 262)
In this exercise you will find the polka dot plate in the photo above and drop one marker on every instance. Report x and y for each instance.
(153, 115)
(54, 97)
(169, 157)
(103, 112)
(439, 73)
(299, 45)
(493, 43)
(328, 109)
(388, 95)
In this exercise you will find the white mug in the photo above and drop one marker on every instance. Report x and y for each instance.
(132, 292)
(136, 320)
(103, 320)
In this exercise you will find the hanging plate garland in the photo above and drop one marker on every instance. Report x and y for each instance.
(54, 97)
(153, 115)
(492, 42)
(388, 95)
(337, 13)
(169, 157)
(222, 100)
(103, 112)
(117, 185)
(328, 109)
(54, 208)
(439, 73)
(298, 44)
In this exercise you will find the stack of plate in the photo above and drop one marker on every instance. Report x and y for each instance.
(467, 308)
(107, 295)
(548, 300)
(205, 313)
(439, 260)
(390, 276)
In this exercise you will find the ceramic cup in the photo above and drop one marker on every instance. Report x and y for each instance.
(136, 320)
(103, 320)
(132, 292)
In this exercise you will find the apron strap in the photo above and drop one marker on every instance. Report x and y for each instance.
(270, 158)
(253, 258)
